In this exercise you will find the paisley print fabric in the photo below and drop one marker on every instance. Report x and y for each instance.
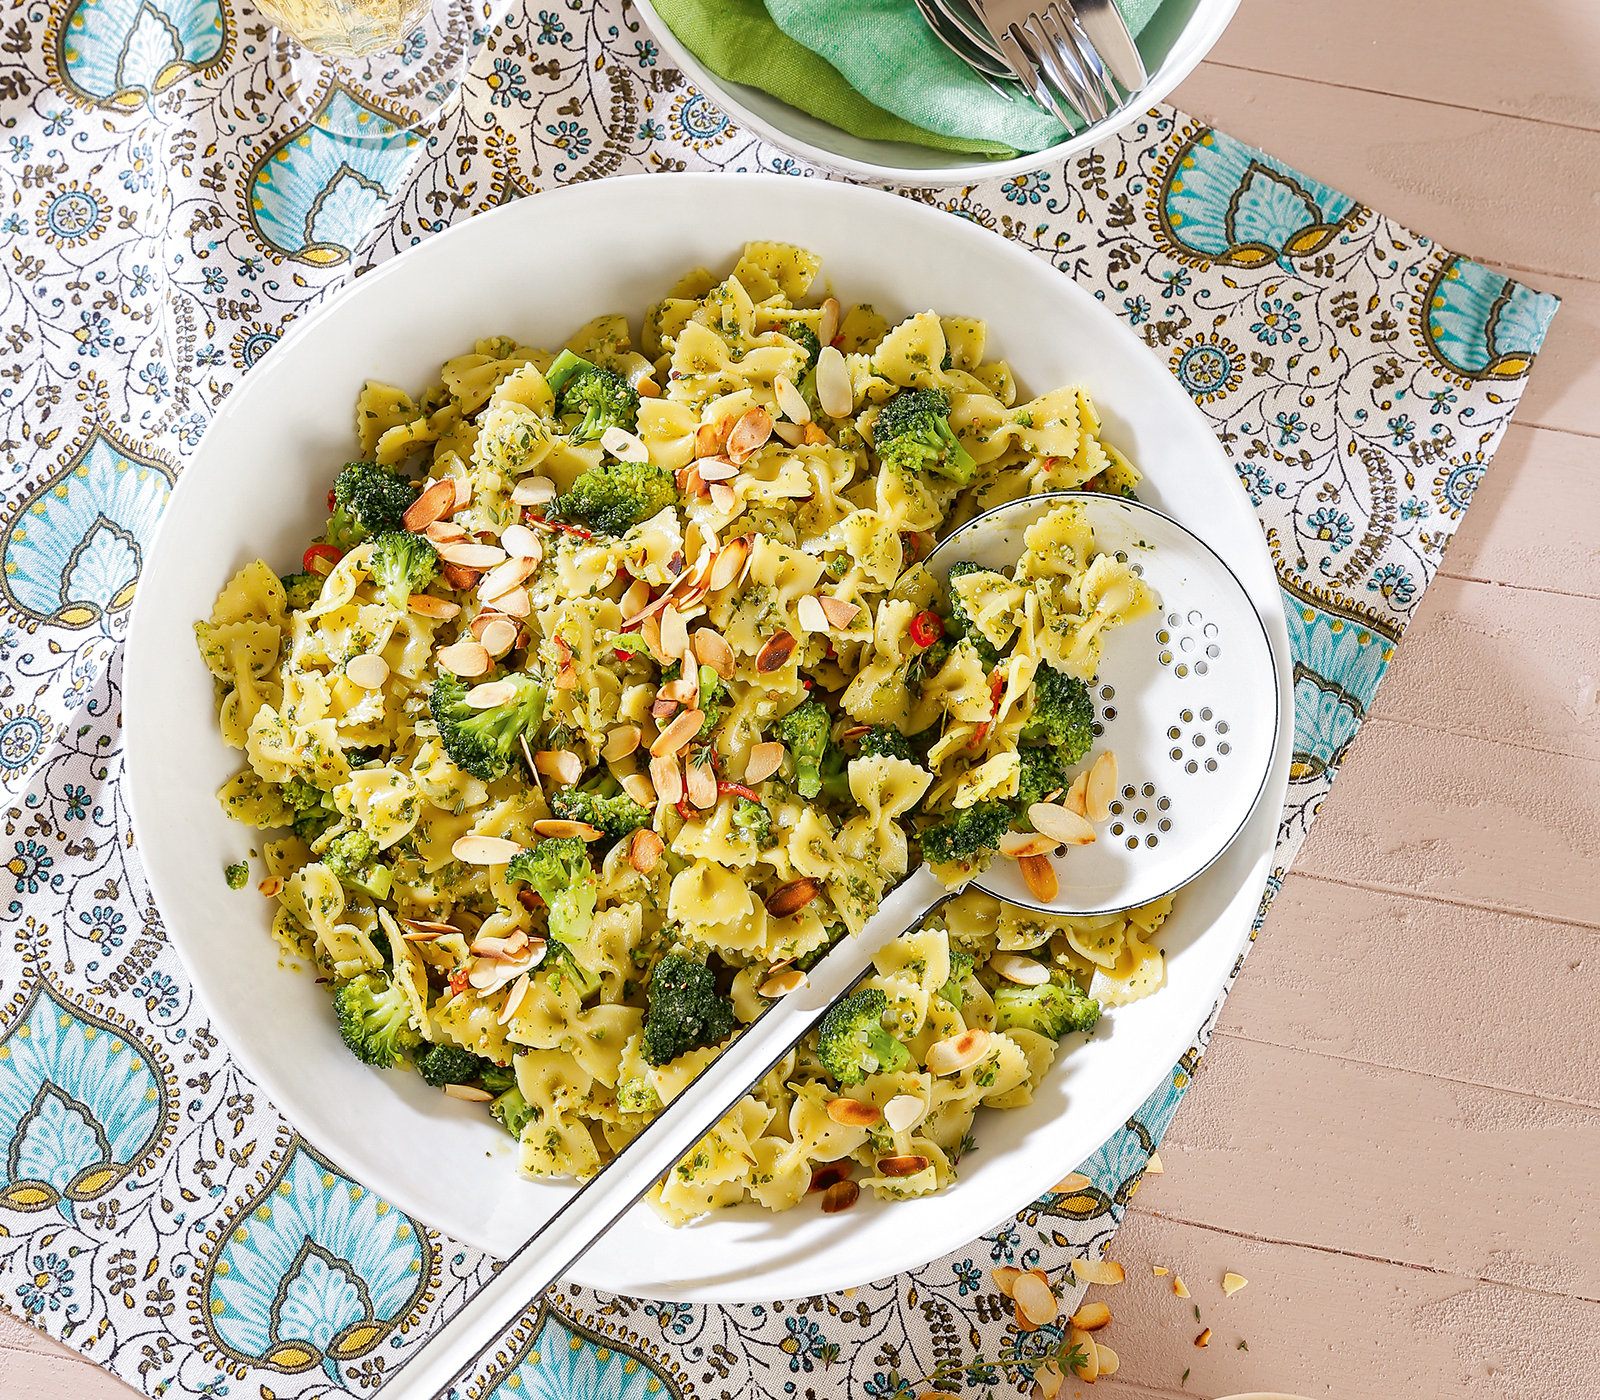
(177, 184)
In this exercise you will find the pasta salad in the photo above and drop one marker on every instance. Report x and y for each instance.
(614, 693)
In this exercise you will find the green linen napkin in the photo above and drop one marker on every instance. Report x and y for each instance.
(737, 40)
(884, 50)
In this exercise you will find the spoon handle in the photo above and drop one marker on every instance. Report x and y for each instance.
(552, 1249)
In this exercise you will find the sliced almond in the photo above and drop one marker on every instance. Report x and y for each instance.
(638, 787)
(674, 635)
(840, 614)
(690, 484)
(956, 1052)
(673, 694)
(515, 601)
(728, 567)
(433, 504)
(1232, 1283)
(808, 611)
(1014, 845)
(716, 469)
(1091, 1317)
(904, 1111)
(647, 388)
(484, 850)
(644, 850)
(1153, 1167)
(792, 897)
(471, 555)
(636, 599)
(853, 1113)
(513, 1003)
(1178, 1287)
(270, 886)
(667, 776)
(1064, 827)
(828, 324)
(558, 829)
(1025, 972)
(790, 400)
(775, 654)
(430, 927)
(470, 1092)
(463, 498)
(701, 783)
(1004, 1278)
(459, 577)
(620, 742)
(1103, 1271)
(499, 636)
(1074, 800)
(723, 497)
(561, 764)
(504, 577)
(533, 491)
(521, 543)
(1034, 1296)
(840, 1196)
(675, 737)
(834, 392)
(1204, 1339)
(1072, 1181)
(765, 759)
(1048, 1380)
(445, 532)
(906, 1164)
(490, 694)
(1040, 877)
(464, 659)
(1102, 788)
(791, 433)
(713, 651)
(620, 443)
(749, 434)
(709, 438)
(650, 630)
(426, 605)
(369, 670)
(791, 979)
(1158, 1271)
(1085, 1356)
(1108, 1359)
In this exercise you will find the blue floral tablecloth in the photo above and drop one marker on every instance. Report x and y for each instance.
(177, 185)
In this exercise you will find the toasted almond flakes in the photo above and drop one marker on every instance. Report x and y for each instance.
(1074, 800)
(749, 433)
(674, 635)
(1101, 789)
(459, 577)
(620, 443)
(1091, 1317)
(954, 1053)
(270, 886)
(636, 599)
(644, 850)
(637, 786)
(840, 614)
(1082, 1346)
(775, 654)
(489, 694)
(676, 736)
(723, 496)
(1204, 1339)
(729, 564)
(561, 764)
(516, 602)
(470, 1092)
(369, 670)
(620, 742)
(828, 324)
(445, 532)
(781, 984)
(708, 440)
(499, 636)
(906, 1164)
(1048, 1380)
(808, 611)
(791, 434)
(521, 543)
(764, 760)
(533, 491)
(834, 392)
(1103, 1271)
(463, 496)
(1108, 1359)
(840, 1196)
(519, 989)
(1025, 972)
(557, 828)
(484, 850)
(716, 469)
(1158, 1271)
(1014, 845)
(1021, 1317)
(426, 605)
(433, 504)
(667, 775)
(1034, 1296)
(903, 1111)
(701, 784)
(1153, 1167)
(464, 659)
(1004, 1278)
(790, 401)
(1178, 1287)
(1072, 1181)
(714, 651)
(472, 555)
(1232, 1283)
(1040, 877)
(853, 1113)
(1060, 824)
(792, 897)
(503, 578)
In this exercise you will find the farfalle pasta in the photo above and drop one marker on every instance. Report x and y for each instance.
(613, 694)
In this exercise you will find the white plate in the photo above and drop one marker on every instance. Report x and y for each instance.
(537, 270)
(1184, 699)
(1179, 35)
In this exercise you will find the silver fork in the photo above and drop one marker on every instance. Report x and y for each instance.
(988, 65)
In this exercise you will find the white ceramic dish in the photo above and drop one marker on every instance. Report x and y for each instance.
(1178, 36)
(257, 487)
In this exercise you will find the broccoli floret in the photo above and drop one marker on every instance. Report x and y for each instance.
(498, 1078)
(805, 731)
(353, 858)
(806, 339)
(1043, 771)
(375, 1019)
(965, 835)
(912, 434)
(885, 741)
(237, 875)
(314, 811)
(403, 564)
(512, 1110)
(685, 1011)
(1062, 715)
(615, 496)
(560, 874)
(367, 500)
(1050, 1009)
(604, 398)
(960, 623)
(852, 1043)
(637, 1096)
(302, 590)
(449, 1064)
(755, 822)
(960, 970)
(480, 741)
(602, 803)
(836, 775)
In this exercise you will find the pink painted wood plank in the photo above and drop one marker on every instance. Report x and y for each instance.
(1535, 520)
(1534, 61)
(1308, 986)
(28, 1376)
(1320, 1323)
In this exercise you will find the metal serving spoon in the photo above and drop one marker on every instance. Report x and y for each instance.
(1203, 656)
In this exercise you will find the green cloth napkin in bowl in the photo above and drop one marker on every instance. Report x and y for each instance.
(737, 40)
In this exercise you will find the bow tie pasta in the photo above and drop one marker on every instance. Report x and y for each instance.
(612, 695)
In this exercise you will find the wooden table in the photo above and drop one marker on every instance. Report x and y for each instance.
(1396, 1136)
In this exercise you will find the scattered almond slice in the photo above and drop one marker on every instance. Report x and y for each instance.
(1103, 1271)
(433, 504)
(1072, 1181)
(499, 636)
(840, 614)
(516, 602)
(644, 850)
(956, 1052)
(521, 543)
(561, 764)
(519, 989)
(1036, 1299)
(1204, 1339)
(1091, 1317)
(834, 391)
(1087, 1368)
(808, 612)
(764, 760)
(728, 566)
(815, 437)
(1004, 1278)
(504, 577)
(1048, 1380)
(676, 736)
(1015, 845)
(1040, 877)
(458, 576)
(840, 1196)
(904, 1111)
(620, 742)
(1153, 1167)
(369, 670)
(1108, 1359)
(638, 787)
(490, 694)
(1178, 1288)
(1232, 1283)
(789, 980)
(902, 1164)
(775, 653)
(463, 496)
(464, 659)
(790, 433)
(853, 1113)
(484, 850)
(749, 434)
(445, 532)
(636, 599)
(674, 635)
(270, 886)
(426, 605)
(667, 776)
(789, 899)
(1074, 800)
(1158, 1271)
(723, 497)
(1025, 972)
(620, 443)
(472, 555)
(700, 782)
(558, 828)
(1060, 824)
(533, 491)
(790, 401)
(716, 469)
(470, 1092)
(709, 438)
(1101, 789)
(828, 323)
(714, 651)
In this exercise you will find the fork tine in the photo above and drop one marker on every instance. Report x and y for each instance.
(1058, 50)
(1090, 60)
(1029, 74)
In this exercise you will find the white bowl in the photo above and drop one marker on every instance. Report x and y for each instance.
(1178, 36)
(257, 486)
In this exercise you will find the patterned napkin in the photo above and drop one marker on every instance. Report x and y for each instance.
(176, 192)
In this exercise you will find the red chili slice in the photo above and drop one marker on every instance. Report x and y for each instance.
(333, 501)
(997, 688)
(926, 628)
(308, 560)
(458, 981)
(738, 790)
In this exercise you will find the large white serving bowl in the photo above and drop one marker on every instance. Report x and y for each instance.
(537, 270)
(1178, 36)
